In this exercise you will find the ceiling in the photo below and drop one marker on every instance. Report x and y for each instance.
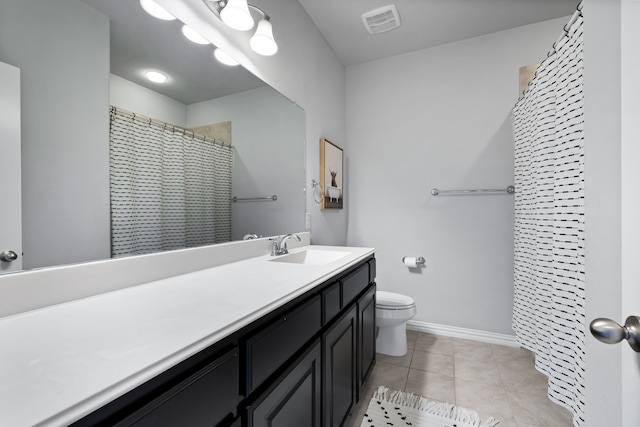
(140, 42)
(425, 23)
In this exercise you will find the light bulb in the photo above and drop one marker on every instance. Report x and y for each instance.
(237, 16)
(155, 10)
(156, 76)
(193, 36)
(262, 41)
(223, 57)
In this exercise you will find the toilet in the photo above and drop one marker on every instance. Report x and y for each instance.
(392, 313)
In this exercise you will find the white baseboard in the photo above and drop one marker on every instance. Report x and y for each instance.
(467, 334)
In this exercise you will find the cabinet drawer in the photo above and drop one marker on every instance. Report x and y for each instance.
(331, 302)
(354, 283)
(268, 349)
(202, 399)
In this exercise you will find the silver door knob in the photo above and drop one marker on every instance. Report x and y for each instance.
(608, 331)
(8, 256)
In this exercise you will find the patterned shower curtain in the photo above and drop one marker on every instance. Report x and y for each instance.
(548, 313)
(170, 189)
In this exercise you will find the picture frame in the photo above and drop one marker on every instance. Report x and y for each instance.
(331, 175)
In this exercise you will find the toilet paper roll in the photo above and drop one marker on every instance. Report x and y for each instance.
(410, 261)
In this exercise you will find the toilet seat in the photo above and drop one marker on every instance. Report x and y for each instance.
(393, 301)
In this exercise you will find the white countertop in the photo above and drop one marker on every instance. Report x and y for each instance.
(60, 363)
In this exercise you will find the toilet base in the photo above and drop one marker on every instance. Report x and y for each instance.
(392, 340)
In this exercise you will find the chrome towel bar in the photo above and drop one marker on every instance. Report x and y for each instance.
(509, 190)
(254, 199)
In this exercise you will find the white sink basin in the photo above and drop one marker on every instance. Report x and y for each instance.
(311, 257)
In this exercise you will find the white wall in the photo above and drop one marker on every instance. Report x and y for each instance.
(305, 70)
(64, 127)
(263, 122)
(138, 99)
(441, 118)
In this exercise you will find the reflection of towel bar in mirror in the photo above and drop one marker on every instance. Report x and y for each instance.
(254, 199)
(509, 190)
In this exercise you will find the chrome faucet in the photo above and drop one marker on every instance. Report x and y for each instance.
(279, 246)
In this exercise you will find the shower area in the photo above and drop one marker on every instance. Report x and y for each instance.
(549, 238)
(170, 188)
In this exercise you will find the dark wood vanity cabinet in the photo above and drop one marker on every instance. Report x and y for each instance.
(347, 356)
(303, 364)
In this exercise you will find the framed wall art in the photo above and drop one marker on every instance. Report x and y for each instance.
(331, 175)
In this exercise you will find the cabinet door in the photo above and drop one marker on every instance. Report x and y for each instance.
(295, 397)
(203, 399)
(366, 336)
(339, 346)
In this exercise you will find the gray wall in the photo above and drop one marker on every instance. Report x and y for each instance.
(138, 99)
(267, 133)
(441, 118)
(64, 127)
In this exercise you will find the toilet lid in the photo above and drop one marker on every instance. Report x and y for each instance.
(393, 300)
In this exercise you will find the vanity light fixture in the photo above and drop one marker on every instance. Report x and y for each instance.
(156, 76)
(236, 14)
(193, 36)
(262, 41)
(155, 10)
(223, 57)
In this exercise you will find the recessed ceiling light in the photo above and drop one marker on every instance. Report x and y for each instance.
(155, 10)
(156, 76)
(193, 36)
(223, 57)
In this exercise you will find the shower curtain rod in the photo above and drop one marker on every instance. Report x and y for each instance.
(565, 33)
(567, 27)
(509, 190)
(165, 126)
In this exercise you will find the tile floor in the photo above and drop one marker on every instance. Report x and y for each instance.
(494, 380)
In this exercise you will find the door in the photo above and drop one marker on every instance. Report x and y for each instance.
(612, 205)
(10, 170)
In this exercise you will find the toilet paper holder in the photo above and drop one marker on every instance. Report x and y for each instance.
(419, 260)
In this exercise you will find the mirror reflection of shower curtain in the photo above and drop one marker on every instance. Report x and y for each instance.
(549, 279)
(169, 188)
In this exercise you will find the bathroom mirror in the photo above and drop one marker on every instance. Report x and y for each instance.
(78, 57)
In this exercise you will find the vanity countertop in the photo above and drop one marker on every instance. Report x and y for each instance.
(60, 363)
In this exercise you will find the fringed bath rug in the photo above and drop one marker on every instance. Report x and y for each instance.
(396, 408)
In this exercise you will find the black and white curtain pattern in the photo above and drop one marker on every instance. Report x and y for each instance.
(170, 189)
(548, 313)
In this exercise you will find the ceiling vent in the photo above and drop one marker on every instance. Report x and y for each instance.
(382, 19)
